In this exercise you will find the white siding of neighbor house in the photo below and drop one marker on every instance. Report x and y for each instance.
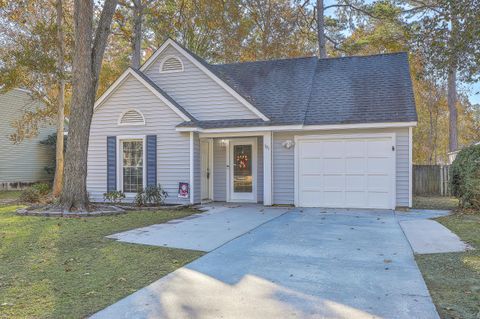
(24, 162)
(196, 92)
(173, 148)
(220, 170)
(283, 163)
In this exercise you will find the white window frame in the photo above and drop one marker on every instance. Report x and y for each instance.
(131, 124)
(120, 140)
(166, 59)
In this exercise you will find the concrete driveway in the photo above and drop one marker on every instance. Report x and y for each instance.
(310, 263)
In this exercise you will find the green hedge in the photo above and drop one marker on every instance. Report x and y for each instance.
(465, 177)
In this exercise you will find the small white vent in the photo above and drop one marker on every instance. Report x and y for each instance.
(132, 117)
(171, 64)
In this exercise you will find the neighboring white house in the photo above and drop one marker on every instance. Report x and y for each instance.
(24, 163)
(331, 132)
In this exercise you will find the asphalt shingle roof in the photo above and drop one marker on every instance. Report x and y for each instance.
(363, 89)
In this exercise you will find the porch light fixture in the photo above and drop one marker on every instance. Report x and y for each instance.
(288, 144)
(223, 143)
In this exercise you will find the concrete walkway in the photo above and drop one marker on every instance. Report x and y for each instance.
(310, 263)
(205, 231)
(428, 236)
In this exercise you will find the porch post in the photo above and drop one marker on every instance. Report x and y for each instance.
(267, 169)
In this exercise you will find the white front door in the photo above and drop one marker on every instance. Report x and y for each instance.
(346, 172)
(205, 169)
(243, 170)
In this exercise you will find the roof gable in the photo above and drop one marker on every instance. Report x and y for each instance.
(170, 47)
(162, 95)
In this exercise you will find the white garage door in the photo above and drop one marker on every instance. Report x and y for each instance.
(346, 172)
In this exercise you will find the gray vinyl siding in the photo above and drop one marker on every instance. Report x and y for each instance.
(173, 148)
(283, 164)
(196, 92)
(24, 162)
(220, 170)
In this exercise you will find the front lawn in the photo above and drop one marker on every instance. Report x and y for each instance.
(66, 268)
(9, 196)
(454, 278)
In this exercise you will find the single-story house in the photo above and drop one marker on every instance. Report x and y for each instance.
(24, 163)
(333, 132)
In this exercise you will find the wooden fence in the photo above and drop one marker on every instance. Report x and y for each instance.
(431, 180)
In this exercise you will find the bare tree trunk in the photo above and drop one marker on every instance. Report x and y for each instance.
(87, 61)
(137, 33)
(452, 108)
(322, 41)
(58, 180)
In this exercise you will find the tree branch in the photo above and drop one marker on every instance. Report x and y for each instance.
(101, 36)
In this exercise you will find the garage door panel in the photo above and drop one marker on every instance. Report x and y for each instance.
(355, 148)
(356, 199)
(312, 182)
(311, 166)
(349, 172)
(378, 164)
(333, 149)
(355, 182)
(379, 147)
(355, 165)
(334, 180)
(311, 149)
(378, 199)
(333, 198)
(310, 199)
(333, 165)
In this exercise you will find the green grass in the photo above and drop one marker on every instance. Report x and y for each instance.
(454, 278)
(66, 268)
(435, 202)
(9, 195)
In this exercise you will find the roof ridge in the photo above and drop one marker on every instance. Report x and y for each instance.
(266, 61)
(313, 56)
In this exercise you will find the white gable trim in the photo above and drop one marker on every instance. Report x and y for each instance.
(123, 78)
(215, 78)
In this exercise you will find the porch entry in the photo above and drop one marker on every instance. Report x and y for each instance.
(242, 164)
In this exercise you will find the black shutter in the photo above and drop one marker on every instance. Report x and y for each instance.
(151, 160)
(111, 163)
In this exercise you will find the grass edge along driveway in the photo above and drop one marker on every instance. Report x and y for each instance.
(453, 279)
(66, 268)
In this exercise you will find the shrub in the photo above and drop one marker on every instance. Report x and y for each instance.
(114, 196)
(155, 195)
(30, 195)
(42, 188)
(465, 177)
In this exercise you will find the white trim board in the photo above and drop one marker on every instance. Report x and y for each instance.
(204, 132)
(209, 73)
(122, 78)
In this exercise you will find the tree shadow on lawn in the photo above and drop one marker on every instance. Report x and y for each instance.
(65, 267)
